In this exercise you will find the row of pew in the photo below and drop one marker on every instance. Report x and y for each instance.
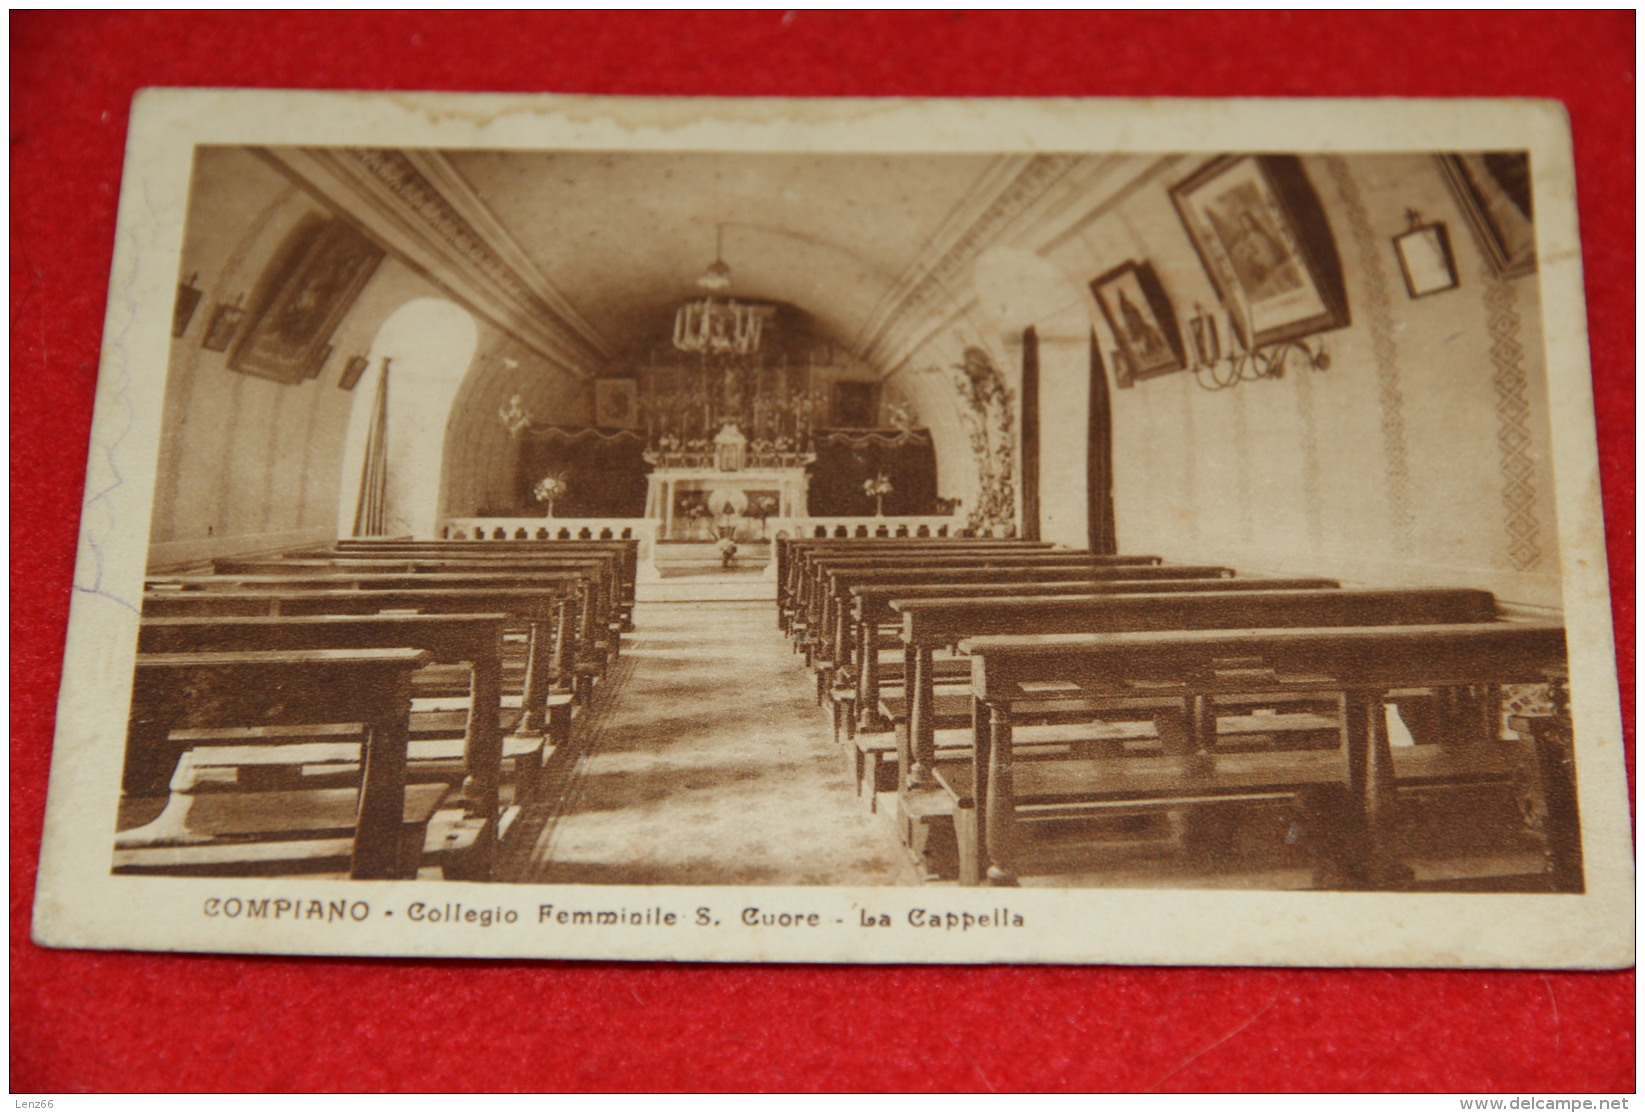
(379, 707)
(1016, 696)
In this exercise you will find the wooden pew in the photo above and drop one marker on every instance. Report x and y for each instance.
(861, 635)
(550, 637)
(872, 612)
(867, 707)
(929, 624)
(626, 552)
(803, 576)
(833, 610)
(627, 548)
(602, 571)
(174, 691)
(1358, 665)
(587, 652)
(794, 560)
(824, 602)
(829, 640)
(791, 555)
(473, 640)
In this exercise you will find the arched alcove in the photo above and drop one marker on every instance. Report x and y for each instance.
(426, 345)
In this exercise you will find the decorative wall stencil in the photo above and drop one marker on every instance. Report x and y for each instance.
(1242, 467)
(1513, 435)
(986, 412)
(1312, 507)
(1189, 462)
(1379, 315)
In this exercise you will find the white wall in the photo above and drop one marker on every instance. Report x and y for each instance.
(248, 464)
(1419, 457)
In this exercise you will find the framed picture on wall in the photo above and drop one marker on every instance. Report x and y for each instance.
(1142, 320)
(1493, 189)
(308, 290)
(616, 404)
(220, 330)
(855, 405)
(1263, 238)
(1425, 259)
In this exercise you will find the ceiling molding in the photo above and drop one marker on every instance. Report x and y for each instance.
(1004, 193)
(421, 211)
(455, 189)
(1045, 207)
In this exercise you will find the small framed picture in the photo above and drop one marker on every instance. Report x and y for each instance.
(1142, 320)
(220, 330)
(1425, 258)
(352, 370)
(616, 404)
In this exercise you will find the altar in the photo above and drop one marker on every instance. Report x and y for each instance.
(702, 504)
(705, 497)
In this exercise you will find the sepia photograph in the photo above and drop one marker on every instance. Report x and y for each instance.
(717, 548)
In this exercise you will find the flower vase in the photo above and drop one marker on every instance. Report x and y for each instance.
(879, 506)
(548, 511)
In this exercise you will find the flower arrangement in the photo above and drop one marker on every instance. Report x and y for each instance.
(760, 507)
(549, 488)
(876, 489)
(727, 549)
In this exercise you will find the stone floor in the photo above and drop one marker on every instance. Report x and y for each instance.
(706, 761)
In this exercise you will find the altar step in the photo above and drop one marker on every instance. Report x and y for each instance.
(691, 571)
(702, 558)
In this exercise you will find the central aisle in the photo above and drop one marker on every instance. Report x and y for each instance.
(706, 761)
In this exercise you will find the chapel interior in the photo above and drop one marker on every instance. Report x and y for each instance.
(732, 404)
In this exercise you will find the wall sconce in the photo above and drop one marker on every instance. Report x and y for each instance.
(1215, 371)
(188, 299)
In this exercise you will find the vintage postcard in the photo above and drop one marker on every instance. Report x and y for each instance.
(843, 531)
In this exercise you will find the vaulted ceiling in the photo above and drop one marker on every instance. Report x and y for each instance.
(585, 255)
(624, 237)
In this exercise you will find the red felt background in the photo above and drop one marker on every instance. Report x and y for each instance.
(91, 1021)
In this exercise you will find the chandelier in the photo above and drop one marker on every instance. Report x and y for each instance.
(718, 275)
(720, 328)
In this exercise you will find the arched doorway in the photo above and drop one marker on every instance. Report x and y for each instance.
(426, 347)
